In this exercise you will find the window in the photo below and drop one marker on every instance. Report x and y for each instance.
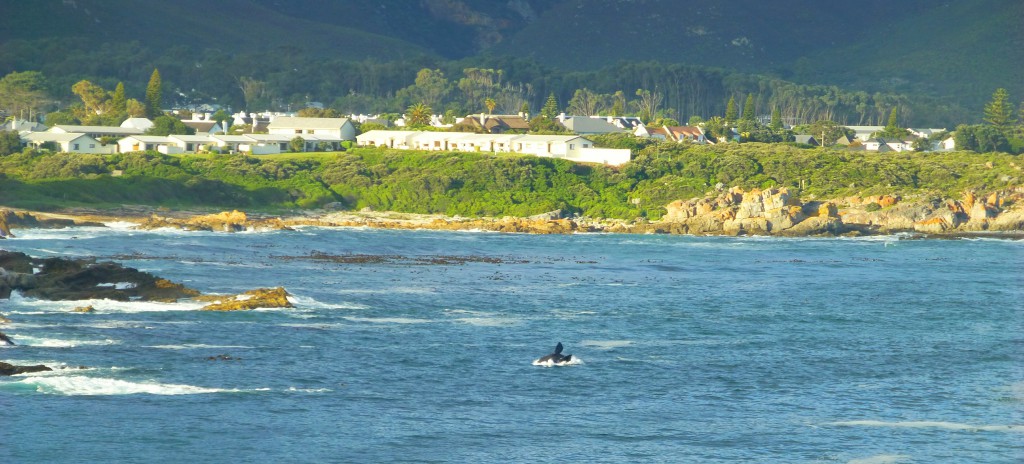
(298, 131)
(572, 146)
(74, 146)
(92, 145)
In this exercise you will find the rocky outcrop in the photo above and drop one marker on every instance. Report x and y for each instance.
(228, 221)
(5, 340)
(10, 369)
(81, 279)
(774, 212)
(258, 298)
(10, 219)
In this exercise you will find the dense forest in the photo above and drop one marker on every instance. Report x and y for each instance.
(849, 63)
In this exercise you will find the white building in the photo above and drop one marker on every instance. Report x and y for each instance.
(148, 142)
(338, 128)
(570, 147)
(67, 143)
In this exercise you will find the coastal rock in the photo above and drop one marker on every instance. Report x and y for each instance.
(10, 369)
(227, 221)
(5, 340)
(67, 279)
(258, 298)
(84, 309)
(22, 220)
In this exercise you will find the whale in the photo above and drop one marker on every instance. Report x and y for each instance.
(556, 358)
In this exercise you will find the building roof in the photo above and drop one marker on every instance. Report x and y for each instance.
(96, 129)
(54, 136)
(200, 126)
(679, 132)
(270, 137)
(231, 138)
(147, 138)
(539, 138)
(190, 138)
(588, 125)
(137, 123)
(294, 122)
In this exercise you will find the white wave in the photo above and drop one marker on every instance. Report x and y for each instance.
(75, 385)
(575, 361)
(101, 306)
(389, 320)
(41, 342)
(121, 225)
(304, 302)
(932, 425)
(488, 321)
(195, 346)
(310, 390)
(606, 344)
(882, 459)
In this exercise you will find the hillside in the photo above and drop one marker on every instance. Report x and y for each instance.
(955, 53)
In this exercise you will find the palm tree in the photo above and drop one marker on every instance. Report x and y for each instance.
(418, 115)
(490, 104)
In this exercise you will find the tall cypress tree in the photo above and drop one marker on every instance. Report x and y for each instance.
(999, 111)
(153, 92)
(748, 108)
(118, 101)
(892, 126)
(731, 113)
(776, 123)
(550, 109)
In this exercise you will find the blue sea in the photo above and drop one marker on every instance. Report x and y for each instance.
(418, 346)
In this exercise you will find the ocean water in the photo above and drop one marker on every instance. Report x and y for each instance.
(418, 346)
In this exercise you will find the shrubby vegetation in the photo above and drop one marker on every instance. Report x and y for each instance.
(471, 184)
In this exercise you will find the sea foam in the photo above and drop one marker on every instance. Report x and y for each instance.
(76, 385)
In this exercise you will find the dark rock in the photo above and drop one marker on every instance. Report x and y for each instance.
(81, 279)
(5, 340)
(10, 369)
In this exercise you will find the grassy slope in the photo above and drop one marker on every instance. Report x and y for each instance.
(477, 184)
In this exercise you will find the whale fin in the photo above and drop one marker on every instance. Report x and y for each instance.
(567, 358)
(558, 348)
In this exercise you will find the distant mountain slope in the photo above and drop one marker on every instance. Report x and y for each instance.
(963, 49)
(229, 25)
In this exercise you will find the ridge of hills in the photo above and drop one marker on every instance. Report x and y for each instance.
(957, 51)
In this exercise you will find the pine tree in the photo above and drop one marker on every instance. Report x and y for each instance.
(118, 99)
(550, 109)
(153, 92)
(891, 126)
(776, 124)
(999, 111)
(748, 108)
(731, 112)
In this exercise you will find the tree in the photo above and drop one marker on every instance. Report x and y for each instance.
(431, 86)
(583, 103)
(525, 109)
(95, 99)
(21, 92)
(60, 117)
(118, 99)
(892, 129)
(550, 109)
(748, 108)
(418, 115)
(731, 113)
(135, 108)
(490, 104)
(221, 116)
(618, 103)
(10, 143)
(167, 125)
(776, 123)
(297, 144)
(980, 138)
(922, 144)
(827, 132)
(999, 111)
(647, 105)
(153, 95)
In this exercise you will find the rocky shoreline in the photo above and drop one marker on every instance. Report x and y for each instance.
(732, 212)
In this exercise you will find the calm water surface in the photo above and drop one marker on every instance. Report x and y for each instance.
(883, 350)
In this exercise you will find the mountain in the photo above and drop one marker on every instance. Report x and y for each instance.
(954, 51)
